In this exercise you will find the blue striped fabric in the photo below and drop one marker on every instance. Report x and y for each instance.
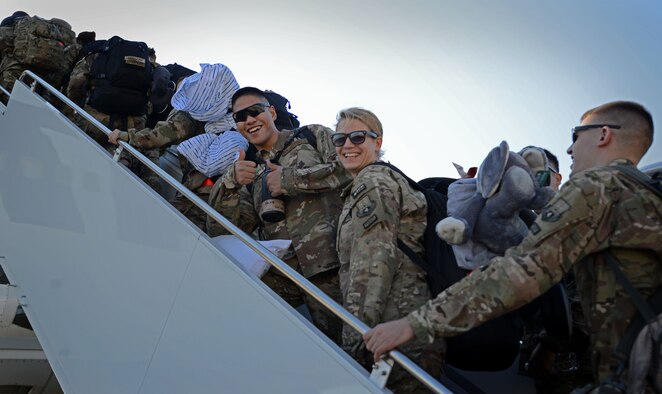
(206, 96)
(213, 154)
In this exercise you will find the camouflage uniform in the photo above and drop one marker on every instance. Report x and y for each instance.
(377, 280)
(80, 84)
(311, 181)
(596, 210)
(79, 87)
(11, 69)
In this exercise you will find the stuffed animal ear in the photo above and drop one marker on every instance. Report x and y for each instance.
(535, 158)
(492, 169)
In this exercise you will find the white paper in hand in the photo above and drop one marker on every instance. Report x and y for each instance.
(250, 260)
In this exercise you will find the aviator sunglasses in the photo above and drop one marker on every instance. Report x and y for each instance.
(252, 111)
(357, 137)
(577, 129)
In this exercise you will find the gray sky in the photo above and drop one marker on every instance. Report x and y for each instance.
(448, 79)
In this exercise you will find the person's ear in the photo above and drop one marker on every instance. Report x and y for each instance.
(378, 143)
(274, 116)
(606, 136)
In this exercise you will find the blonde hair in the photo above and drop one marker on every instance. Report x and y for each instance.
(363, 115)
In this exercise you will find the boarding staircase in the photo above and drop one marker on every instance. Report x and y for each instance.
(125, 295)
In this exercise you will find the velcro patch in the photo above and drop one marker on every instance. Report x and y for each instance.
(364, 207)
(370, 222)
(535, 229)
(134, 61)
(359, 189)
(554, 212)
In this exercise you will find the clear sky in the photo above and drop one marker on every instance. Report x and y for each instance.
(448, 79)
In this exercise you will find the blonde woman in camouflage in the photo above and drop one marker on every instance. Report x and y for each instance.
(378, 281)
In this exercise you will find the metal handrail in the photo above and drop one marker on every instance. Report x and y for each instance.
(274, 261)
(4, 92)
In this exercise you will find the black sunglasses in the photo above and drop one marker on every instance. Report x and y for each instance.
(357, 137)
(252, 111)
(577, 129)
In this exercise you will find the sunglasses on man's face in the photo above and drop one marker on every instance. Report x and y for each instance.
(357, 137)
(577, 129)
(252, 111)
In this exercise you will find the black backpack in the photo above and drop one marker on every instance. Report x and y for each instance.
(121, 77)
(492, 346)
(284, 118)
(178, 72)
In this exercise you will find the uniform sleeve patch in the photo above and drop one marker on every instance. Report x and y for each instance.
(359, 189)
(535, 229)
(554, 212)
(370, 222)
(364, 207)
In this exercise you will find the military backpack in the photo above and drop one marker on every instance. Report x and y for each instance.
(492, 346)
(121, 76)
(284, 118)
(39, 43)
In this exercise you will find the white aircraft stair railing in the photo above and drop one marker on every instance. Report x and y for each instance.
(381, 370)
(4, 95)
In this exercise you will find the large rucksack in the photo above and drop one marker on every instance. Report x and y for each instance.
(492, 346)
(39, 43)
(640, 347)
(284, 118)
(178, 72)
(121, 76)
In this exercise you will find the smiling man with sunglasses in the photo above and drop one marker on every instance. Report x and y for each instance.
(301, 166)
(601, 214)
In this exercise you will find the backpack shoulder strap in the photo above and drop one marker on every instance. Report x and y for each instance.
(300, 133)
(411, 182)
(646, 308)
(634, 174)
(403, 247)
(304, 132)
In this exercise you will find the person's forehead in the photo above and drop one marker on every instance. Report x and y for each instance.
(351, 125)
(246, 101)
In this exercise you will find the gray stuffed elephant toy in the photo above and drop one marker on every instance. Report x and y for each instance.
(484, 213)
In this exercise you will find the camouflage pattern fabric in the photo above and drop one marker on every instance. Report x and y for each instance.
(79, 80)
(196, 215)
(39, 44)
(10, 71)
(7, 37)
(311, 180)
(378, 281)
(98, 135)
(595, 210)
(179, 126)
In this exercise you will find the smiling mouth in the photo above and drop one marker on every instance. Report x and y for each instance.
(350, 155)
(253, 129)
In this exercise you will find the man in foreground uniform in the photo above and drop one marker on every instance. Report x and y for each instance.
(599, 210)
(306, 174)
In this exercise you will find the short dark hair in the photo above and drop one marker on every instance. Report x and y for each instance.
(248, 91)
(552, 159)
(632, 117)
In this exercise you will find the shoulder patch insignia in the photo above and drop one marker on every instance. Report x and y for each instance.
(370, 222)
(134, 61)
(359, 189)
(535, 229)
(554, 212)
(364, 207)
